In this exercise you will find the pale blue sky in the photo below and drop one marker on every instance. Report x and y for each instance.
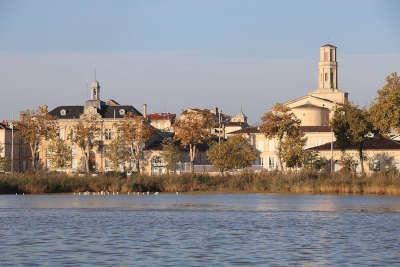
(174, 54)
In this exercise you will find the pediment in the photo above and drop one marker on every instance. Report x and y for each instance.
(310, 101)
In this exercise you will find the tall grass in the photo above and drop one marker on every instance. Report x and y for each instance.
(271, 182)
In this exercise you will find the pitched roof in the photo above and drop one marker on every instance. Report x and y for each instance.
(246, 130)
(161, 116)
(106, 111)
(371, 144)
(3, 125)
(329, 45)
(305, 129)
(317, 129)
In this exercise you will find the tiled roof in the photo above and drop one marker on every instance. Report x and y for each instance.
(371, 144)
(161, 116)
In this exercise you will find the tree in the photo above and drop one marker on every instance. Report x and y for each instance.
(117, 152)
(192, 129)
(171, 154)
(34, 127)
(312, 160)
(60, 153)
(235, 153)
(280, 123)
(134, 132)
(84, 135)
(4, 161)
(292, 151)
(385, 111)
(352, 127)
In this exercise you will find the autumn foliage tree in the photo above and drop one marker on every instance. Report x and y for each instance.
(135, 132)
(171, 154)
(117, 152)
(235, 153)
(59, 153)
(85, 134)
(35, 126)
(352, 127)
(192, 129)
(280, 124)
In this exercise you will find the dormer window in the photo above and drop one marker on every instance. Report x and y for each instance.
(63, 112)
(122, 112)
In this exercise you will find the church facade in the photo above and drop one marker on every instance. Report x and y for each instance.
(314, 110)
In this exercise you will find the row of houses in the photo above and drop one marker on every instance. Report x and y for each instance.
(314, 110)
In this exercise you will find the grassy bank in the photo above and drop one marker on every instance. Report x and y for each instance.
(269, 182)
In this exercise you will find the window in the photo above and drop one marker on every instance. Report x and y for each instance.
(326, 77)
(332, 55)
(271, 163)
(108, 134)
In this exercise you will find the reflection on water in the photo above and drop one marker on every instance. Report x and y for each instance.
(199, 230)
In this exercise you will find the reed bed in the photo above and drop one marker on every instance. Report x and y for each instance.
(306, 182)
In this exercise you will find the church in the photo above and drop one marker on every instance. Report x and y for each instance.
(315, 110)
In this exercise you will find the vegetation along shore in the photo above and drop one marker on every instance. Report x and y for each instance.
(383, 183)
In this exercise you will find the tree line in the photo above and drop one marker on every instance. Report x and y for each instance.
(352, 126)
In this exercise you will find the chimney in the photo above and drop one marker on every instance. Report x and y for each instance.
(145, 111)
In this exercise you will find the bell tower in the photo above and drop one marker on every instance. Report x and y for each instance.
(327, 69)
(95, 90)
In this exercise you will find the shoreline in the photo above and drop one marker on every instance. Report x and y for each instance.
(307, 183)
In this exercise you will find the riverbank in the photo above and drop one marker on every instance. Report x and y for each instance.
(267, 182)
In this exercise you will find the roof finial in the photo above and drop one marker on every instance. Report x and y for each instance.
(95, 74)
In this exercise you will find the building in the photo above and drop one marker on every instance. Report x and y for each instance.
(315, 110)
(12, 148)
(108, 113)
(380, 154)
(162, 121)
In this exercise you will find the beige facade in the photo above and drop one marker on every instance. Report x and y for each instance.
(13, 149)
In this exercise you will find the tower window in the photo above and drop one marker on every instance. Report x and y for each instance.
(326, 77)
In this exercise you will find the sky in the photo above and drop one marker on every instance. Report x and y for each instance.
(175, 54)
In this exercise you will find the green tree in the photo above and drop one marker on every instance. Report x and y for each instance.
(312, 160)
(292, 151)
(385, 111)
(171, 154)
(280, 123)
(235, 153)
(352, 127)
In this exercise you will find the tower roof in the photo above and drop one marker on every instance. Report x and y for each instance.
(329, 45)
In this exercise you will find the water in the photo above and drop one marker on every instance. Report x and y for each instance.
(199, 230)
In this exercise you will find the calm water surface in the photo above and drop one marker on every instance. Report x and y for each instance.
(199, 230)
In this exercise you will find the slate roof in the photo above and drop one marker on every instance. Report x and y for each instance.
(371, 144)
(106, 111)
